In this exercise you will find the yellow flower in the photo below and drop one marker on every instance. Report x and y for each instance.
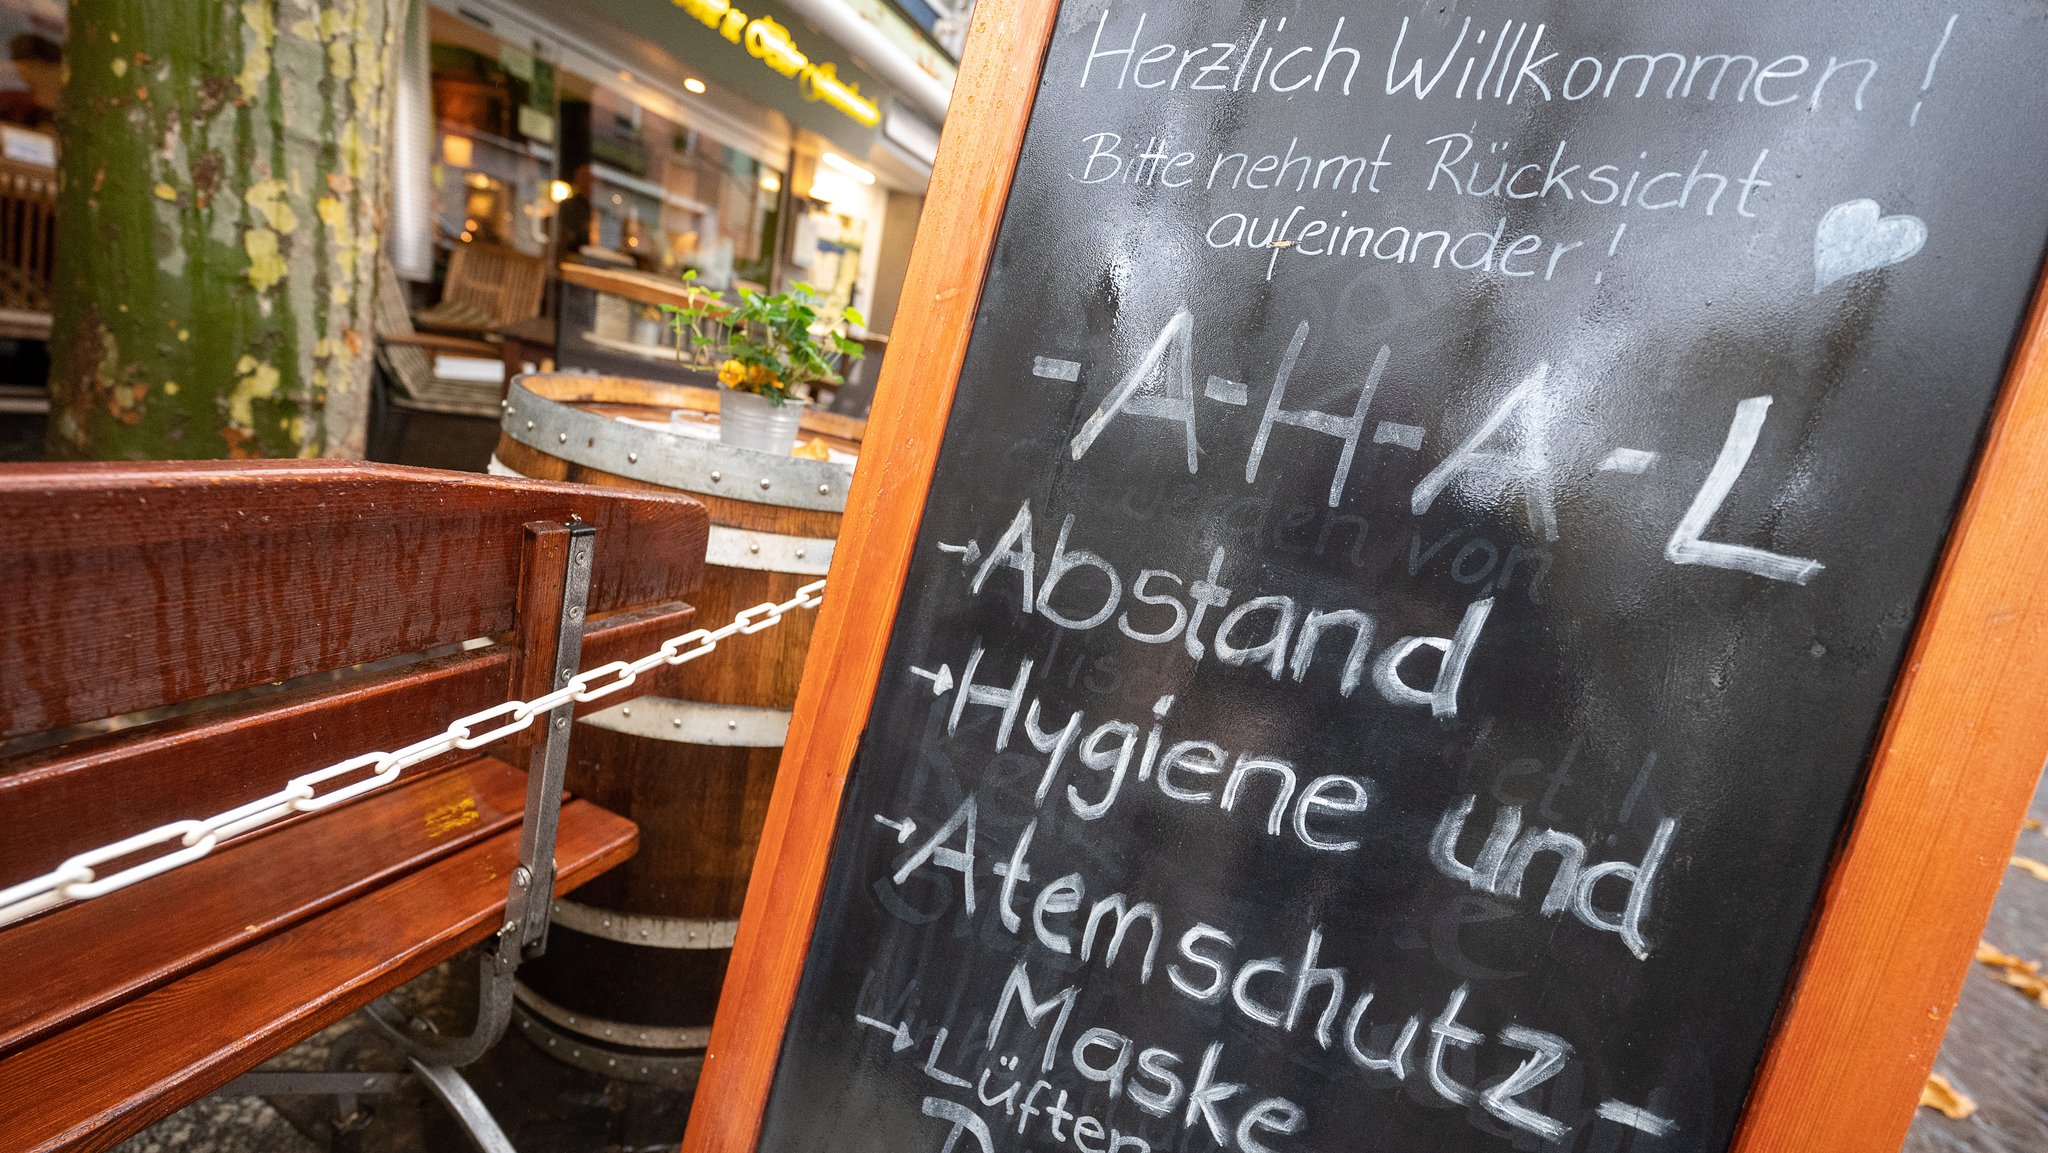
(731, 373)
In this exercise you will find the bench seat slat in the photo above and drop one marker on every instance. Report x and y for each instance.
(105, 1079)
(95, 954)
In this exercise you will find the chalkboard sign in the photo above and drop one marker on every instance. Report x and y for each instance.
(1433, 510)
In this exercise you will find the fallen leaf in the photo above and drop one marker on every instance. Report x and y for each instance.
(2029, 823)
(2033, 867)
(1943, 1097)
(812, 449)
(2022, 975)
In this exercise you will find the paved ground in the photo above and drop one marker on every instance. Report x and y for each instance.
(1997, 1046)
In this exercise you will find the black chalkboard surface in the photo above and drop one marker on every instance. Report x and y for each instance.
(1434, 507)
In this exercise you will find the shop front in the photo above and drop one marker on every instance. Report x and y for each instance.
(588, 162)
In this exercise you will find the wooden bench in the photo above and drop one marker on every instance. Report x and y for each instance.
(331, 604)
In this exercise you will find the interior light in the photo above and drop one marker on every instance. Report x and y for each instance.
(457, 151)
(834, 160)
(828, 188)
(694, 86)
(559, 191)
(771, 182)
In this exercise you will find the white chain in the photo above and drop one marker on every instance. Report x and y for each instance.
(77, 880)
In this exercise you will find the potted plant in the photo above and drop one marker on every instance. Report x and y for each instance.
(763, 347)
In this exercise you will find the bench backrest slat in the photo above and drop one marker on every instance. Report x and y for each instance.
(126, 587)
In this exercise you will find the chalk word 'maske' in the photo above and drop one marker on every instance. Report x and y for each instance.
(1484, 462)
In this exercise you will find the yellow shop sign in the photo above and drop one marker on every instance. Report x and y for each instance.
(769, 42)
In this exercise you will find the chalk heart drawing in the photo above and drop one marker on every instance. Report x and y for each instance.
(1855, 236)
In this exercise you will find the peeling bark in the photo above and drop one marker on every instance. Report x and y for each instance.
(221, 196)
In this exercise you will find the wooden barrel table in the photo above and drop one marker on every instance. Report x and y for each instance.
(634, 962)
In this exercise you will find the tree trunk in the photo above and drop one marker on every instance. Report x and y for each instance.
(221, 194)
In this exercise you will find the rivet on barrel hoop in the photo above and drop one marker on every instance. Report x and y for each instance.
(764, 484)
(561, 438)
(632, 458)
(716, 476)
(824, 490)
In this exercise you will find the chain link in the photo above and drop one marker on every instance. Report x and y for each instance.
(77, 878)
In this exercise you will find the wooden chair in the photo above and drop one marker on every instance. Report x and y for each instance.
(488, 287)
(28, 225)
(408, 358)
(144, 592)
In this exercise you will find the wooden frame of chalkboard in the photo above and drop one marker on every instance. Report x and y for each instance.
(1914, 873)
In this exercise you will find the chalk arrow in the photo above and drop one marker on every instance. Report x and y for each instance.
(969, 552)
(901, 1033)
(1641, 1120)
(941, 680)
(904, 828)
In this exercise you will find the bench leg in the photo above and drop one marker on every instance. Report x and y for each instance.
(555, 571)
(555, 574)
(444, 1083)
(477, 1123)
